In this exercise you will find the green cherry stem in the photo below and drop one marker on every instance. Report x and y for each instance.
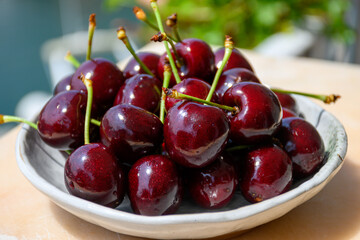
(171, 21)
(95, 122)
(141, 15)
(92, 25)
(167, 76)
(121, 34)
(229, 46)
(159, 37)
(8, 119)
(89, 88)
(175, 94)
(236, 148)
(154, 6)
(325, 98)
(71, 59)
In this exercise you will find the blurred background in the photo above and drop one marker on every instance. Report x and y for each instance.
(35, 35)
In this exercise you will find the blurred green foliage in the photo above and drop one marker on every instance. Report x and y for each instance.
(250, 21)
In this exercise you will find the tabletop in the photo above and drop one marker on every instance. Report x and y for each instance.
(334, 213)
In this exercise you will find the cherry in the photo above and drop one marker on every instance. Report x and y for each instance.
(61, 121)
(63, 85)
(237, 60)
(197, 58)
(303, 144)
(195, 134)
(287, 101)
(267, 173)
(149, 59)
(288, 113)
(214, 185)
(92, 173)
(130, 132)
(141, 90)
(154, 186)
(106, 78)
(193, 87)
(230, 77)
(259, 116)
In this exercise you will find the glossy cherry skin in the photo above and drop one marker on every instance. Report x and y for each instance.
(130, 132)
(92, 173)
(63, 85)
(287, 101)
(190, 86)
(61, 121)
(198, 60)
(303, 144)
(141, 90)
(150, 60)
(288, 113)
(230, 77)
(214, 185)
(259, 116)
(195, 134)
(236, 60)
(154, 186)
(106, 78)
(267, 173)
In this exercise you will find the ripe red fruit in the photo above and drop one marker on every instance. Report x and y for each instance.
(92, 173)
(195, 134)
(267, 173)
(154, 186)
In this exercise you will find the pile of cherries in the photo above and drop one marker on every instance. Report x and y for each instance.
(243, 136)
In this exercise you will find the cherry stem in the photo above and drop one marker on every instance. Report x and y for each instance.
(7, 119)
(236, 148)
(95, 122)
(89, 88)
(92, 25)
(325, 98)
(71, 59)
(171, 21)
(154, 6)
(229, 46)
(167, 76)
(159, 37)
(141, 15)
(121, 34)
(175, 94)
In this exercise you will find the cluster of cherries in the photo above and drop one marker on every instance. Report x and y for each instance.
(189, 121)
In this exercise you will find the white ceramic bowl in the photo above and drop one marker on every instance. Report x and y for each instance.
(43, 167)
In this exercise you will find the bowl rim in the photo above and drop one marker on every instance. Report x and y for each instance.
(327, 170)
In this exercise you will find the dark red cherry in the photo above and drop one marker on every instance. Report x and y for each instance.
(198, 60)
(233, 76)
(304, 145)
(287, 101)
(154, 186)
(141, 90)
(106, 78)
(190, 86)
(214, 185)
(288, 113)
(92, 173)
(236, 60)
(267, 173)
(259, 116)
(195, 134)
(150, 60)
(130, 132)
(61, 121)
(63, 85)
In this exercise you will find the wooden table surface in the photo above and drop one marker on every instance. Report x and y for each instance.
(334, 213)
